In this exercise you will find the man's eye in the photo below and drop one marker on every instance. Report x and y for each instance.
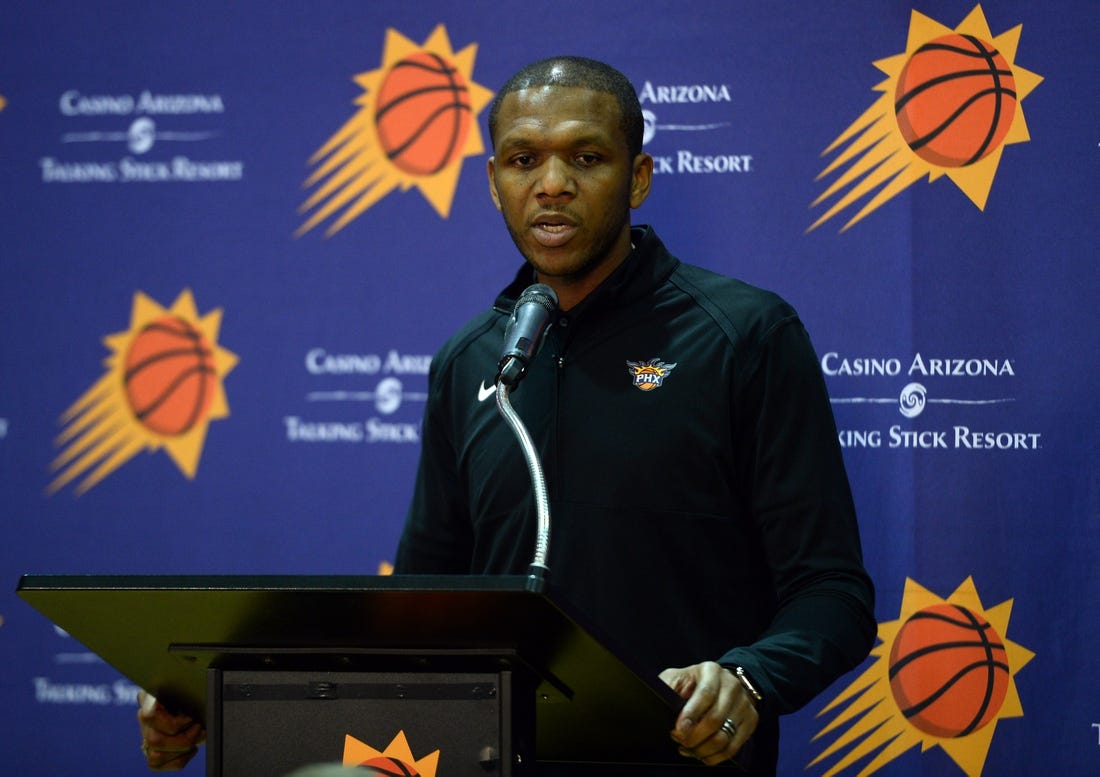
(523, 160)
(587, 160)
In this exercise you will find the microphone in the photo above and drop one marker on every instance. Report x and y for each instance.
(524, 333)
(522, 340)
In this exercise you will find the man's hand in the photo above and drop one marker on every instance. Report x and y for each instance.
(168, 741)
(718, 716)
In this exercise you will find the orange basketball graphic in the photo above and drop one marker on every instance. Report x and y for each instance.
(169, 376)
(388, 767)
(948, 671)
(955, 100)
(423, 114)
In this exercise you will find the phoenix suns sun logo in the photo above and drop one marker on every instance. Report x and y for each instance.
(943, 676)
(950, 104)
(649, 375)
(417, 121)
(395, 761)
(161, 389)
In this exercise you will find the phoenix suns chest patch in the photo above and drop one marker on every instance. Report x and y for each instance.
(650, 374)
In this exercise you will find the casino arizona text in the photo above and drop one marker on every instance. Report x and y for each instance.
(833, 364)
(684, 93)
(73, 103)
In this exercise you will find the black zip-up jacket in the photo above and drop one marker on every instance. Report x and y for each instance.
(699, 504)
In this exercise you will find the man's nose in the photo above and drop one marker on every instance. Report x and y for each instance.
(557, 177)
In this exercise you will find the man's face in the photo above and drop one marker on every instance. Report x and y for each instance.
(563, 178)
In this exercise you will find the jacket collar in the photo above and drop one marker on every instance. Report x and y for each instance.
(647, 267)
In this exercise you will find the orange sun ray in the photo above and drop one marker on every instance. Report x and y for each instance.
(101, 431)
(877, 135)
(868, 721)
(354, 169)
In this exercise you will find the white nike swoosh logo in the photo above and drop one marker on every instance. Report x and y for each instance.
(484, 392)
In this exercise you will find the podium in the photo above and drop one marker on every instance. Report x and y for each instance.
(475, 675)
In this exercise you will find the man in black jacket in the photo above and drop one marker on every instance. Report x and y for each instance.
(701, 511)
(702, 515)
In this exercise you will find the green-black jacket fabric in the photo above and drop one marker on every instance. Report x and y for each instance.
(700, 512)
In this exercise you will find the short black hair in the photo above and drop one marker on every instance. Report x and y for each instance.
(583, 73)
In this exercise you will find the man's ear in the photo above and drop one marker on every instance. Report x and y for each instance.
(641, 179)
(490, 167)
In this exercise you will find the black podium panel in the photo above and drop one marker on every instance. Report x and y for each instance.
(274, 722)
(166, 632)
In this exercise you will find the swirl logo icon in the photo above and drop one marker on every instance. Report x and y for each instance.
(912, 400)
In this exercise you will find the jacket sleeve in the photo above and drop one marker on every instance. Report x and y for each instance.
(437, 537)
(802, 504)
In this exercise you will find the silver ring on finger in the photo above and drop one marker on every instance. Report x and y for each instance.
(730, 728)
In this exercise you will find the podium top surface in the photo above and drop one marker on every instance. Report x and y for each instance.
(164, 631)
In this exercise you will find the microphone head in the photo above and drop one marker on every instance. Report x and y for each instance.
(524, 332)
(540, 294)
